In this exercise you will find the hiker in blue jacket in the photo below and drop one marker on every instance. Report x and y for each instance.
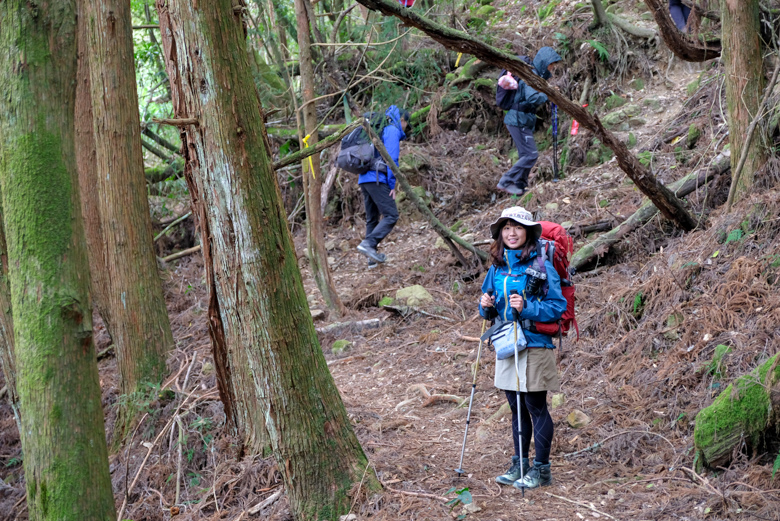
(520, 121)
(378, 187)
(516, 238)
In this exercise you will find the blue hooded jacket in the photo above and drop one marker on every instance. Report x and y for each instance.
(526, 94)
(392, 135)
(503, 279)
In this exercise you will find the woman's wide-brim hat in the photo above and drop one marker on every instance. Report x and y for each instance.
(519, 215)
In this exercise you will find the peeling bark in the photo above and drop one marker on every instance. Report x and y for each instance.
(272, 374)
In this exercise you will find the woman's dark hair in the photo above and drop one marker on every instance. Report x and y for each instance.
(497, 247)
(405, 115)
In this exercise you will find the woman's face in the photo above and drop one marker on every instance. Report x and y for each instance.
(513, 235)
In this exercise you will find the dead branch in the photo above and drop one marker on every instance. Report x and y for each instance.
(270, 500)
(436, 398)
(299, 156)
(682, 45)
(415, 494)
(582, 504)
(419, 388)
(356, 325)
(183, 253)
(181, 122)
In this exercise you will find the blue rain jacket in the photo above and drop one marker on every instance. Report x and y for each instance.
(392, 135)
(526, 94)
(503, 279)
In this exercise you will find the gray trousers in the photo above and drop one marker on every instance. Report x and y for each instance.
(517, 176)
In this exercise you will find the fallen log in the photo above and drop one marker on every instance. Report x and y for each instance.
(682, 45)
(356, 325)
(743, 413)
(647, 211)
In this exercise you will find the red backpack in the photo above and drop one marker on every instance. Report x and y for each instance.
(562, 249)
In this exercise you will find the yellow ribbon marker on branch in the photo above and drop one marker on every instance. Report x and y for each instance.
(458, 60)
(311, 163)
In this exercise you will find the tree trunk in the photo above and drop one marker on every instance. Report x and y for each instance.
(139, 323)
(742, 414)
(670, 206)
(599, 14)
(744, 86)
(271, 373)
(682, 45)
(7, 360)
(86, 165)
(63, 439)
(312, 177)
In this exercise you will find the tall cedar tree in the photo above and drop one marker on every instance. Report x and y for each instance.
(312, 180)
(65, 454)
(744, 84)
(134, 308)
(271, 372)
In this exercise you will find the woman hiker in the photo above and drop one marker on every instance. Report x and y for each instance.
(514, 248)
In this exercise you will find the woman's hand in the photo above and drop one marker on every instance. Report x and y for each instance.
(487, 301)
(516, 302)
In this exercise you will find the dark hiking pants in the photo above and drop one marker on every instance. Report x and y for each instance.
(535, 420)
(527, 156)
(377, 200)
(679, 12)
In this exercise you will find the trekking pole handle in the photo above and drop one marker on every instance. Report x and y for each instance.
(515, 313)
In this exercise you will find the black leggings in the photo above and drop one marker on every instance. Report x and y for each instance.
(535, 419)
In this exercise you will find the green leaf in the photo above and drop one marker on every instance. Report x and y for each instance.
(776, 466)
(601, 49)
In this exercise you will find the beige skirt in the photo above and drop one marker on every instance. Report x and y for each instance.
(537, 371)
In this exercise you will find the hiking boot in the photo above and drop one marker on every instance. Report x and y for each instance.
(513, 474)
(538, 476)
(372, 264)
(510, 189)
(370, 252)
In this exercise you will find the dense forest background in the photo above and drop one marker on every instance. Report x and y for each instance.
(668, 408)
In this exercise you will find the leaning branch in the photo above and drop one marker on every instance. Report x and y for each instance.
(644, 214)
(670, 206)
(683, 46)
(299, 156)
(442, 230)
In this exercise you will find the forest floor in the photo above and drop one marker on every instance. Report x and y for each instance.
(650, 318)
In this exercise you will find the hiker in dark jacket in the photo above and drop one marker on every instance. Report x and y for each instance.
(520, 121)
(514, 250)
(378, 188)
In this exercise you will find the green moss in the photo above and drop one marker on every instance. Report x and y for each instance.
(614, 101)
(743, 406)
(386, 301)
(637, 84)
(484, 82)
(693, 87)
(631, 143)
(694, 133)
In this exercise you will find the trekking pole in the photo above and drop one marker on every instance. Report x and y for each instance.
(459, 470)
(555, 141)
(516, 318)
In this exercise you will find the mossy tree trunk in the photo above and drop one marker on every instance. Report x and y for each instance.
(63, 439)
(312, 178)
(743, 413)
(744, 85)
(271, 372)
(138, 318)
